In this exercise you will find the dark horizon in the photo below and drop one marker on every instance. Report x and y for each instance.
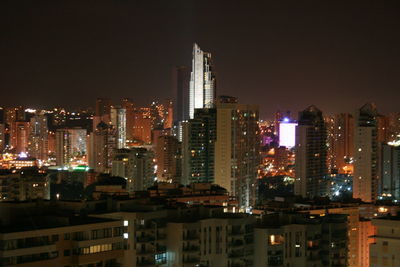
(281, 56)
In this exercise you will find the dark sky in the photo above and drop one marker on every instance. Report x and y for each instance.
(278, 54)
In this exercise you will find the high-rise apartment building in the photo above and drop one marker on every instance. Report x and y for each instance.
(13, 115)
(394, 125)
(103, 107)
(202, 91)
(237, 149)
(169, 115)
(142, 127)
(101, 147)
(118, 121)
(102, 111)
(136, 165)
(127, 104)
(311, 154)
(343, 146)
(365, 180)
(180, 88)
(201, 146)
(168, 158)
(70, 143)
(20, 136)
(38, 137)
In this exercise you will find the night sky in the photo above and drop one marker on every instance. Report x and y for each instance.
(279, 54)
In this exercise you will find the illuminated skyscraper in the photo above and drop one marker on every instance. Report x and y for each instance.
(365, 180)
(311, 154)
(118, 120)
(202, 81)
(237, 149)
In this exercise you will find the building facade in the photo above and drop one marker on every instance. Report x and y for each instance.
(365, 180)
(311, 154)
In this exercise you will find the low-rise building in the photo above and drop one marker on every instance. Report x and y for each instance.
(30, 240)
(385, 250)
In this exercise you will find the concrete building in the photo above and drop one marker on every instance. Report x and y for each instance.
(237, 149)
(202, 91)
(311, 154)
(365, 180)
(385, 250)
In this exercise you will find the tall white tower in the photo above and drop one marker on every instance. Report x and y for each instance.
(202, 81)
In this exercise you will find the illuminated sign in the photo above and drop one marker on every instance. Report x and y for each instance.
(287, 133)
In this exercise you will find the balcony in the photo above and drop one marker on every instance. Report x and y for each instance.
(100, 241)
(45, 248)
